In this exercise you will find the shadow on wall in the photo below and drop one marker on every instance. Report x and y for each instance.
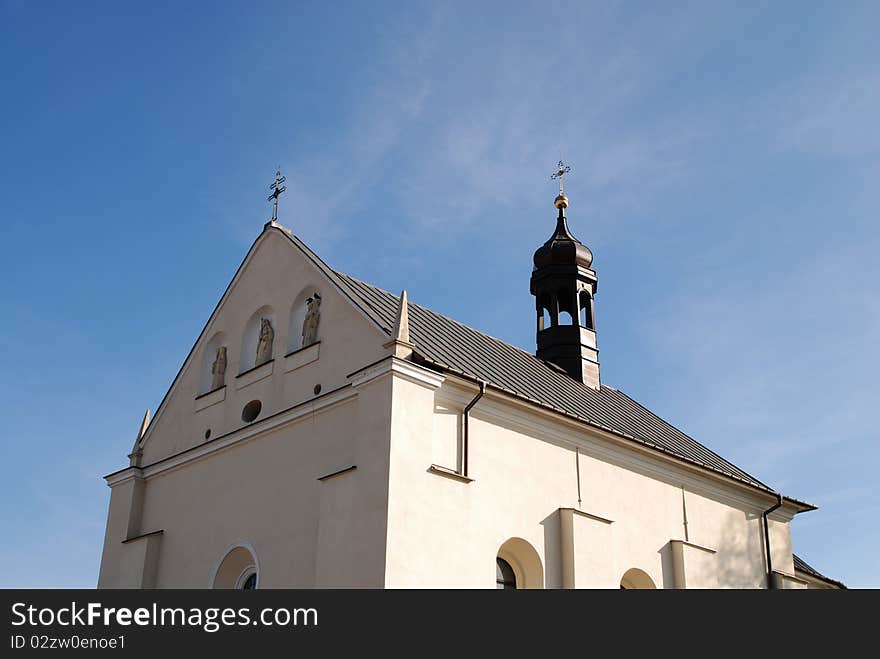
(739, 561)
(552, 550)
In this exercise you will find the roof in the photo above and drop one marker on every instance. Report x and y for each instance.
(460, 349)
(800, 565)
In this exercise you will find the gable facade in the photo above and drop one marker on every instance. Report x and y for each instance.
(365, 469)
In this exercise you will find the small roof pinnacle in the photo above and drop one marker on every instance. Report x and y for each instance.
(144, 425)
(401, 328)
(400, 345)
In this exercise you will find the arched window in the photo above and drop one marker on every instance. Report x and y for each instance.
(249, 582)
(518, 565)
(505, 578)
(636, 579)
(238, 570)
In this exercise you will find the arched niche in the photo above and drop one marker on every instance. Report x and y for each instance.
(525, 561)
(236, 569)
(298, 311)
(636, 579)
(206, 377)
(251, 337)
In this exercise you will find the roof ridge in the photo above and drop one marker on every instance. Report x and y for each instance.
(457, 347)
(461, 324)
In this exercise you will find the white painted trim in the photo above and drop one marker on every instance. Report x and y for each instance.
(595, 518)
(784, 514)
(416, 374)
(247, 432)
(520, 415)
(245, 575)
(446, 472)
(786, 576)
(401, 368)
(244, 544)
(120, 477)
(211, 398)
(302, 357)
(261, 372)
(694, 546)
(819, 583)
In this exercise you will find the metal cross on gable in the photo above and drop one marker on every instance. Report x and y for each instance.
(277, 188)
(561, 170)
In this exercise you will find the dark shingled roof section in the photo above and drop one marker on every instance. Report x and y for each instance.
(458, 348)
(801, 566)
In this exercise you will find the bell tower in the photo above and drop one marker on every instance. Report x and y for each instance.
(564, 286)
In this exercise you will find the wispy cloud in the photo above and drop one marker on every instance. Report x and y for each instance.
(449, 136)
(834, 116)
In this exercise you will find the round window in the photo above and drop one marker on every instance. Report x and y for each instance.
(251, 411)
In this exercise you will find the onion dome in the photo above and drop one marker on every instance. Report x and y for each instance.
(563, 248)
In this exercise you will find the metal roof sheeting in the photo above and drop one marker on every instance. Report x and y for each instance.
(801, 565)
(459, 348)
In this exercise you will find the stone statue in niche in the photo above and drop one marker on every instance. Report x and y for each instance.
(310, 323)
(218, 369)
(264, 345)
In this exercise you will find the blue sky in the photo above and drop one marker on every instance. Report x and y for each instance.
(725, 174)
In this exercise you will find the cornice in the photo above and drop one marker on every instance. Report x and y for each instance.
(400, 368)
(582, 513)
(124, 475)
(520, 415)
(269, 229)
(685, 543)
(286, 417)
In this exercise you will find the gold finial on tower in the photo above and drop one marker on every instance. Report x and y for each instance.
(562, 169)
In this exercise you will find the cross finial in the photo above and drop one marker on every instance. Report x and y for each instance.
(561, 170)
(277, 188)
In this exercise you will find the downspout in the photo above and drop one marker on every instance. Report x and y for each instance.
(778, 504)
(464, 434)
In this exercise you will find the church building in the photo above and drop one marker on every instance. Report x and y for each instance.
(325, 433)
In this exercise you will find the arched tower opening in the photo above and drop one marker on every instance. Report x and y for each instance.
(564, 285)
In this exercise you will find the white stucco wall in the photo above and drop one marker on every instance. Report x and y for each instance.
(445, 533)
(274, 276)
(584, 505)
(262, 489)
